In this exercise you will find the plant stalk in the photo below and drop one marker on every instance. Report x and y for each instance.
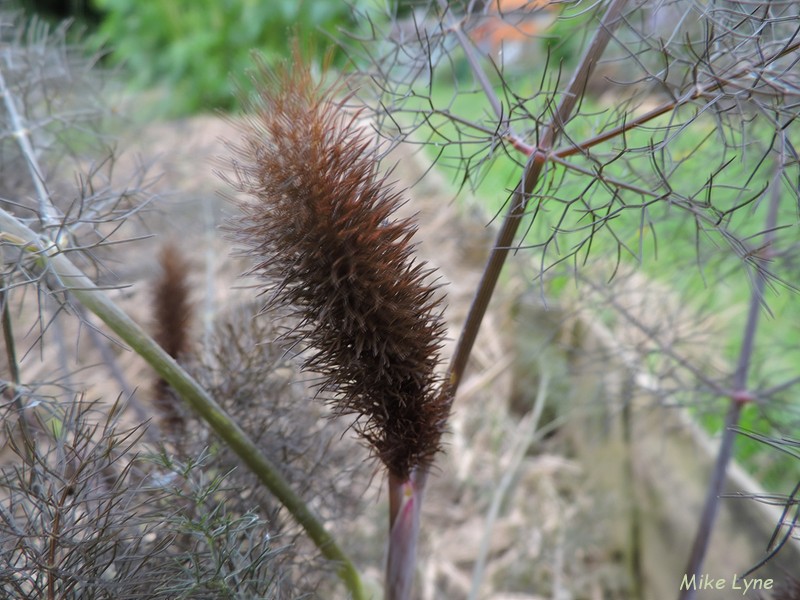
(738, 399)
(47, 212)
(12, 393)
(518, 204)
(85, 291)
(405, 517)
(405, 505)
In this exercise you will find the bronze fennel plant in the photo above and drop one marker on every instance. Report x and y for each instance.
(363, 313)
(328, 245)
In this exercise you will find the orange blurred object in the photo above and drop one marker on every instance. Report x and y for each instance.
(505, 24)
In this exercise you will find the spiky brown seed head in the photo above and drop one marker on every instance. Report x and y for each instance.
(172, 312)
(320, 223)
(171, 303)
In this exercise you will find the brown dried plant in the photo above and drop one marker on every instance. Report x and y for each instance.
(171, 302)
(172, 311)
(260, 387)
(336, 260)
(322, 230)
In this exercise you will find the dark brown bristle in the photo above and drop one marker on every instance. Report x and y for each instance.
(173, 313)
(321, 227)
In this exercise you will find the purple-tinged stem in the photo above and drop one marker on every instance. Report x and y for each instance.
(530, 178)
(405, 508)
(738, 398)
(405, 501)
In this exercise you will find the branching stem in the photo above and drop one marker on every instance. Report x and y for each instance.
(47, 212)
(84, 290)
(518, 203)
(725, 453)
(666, 107)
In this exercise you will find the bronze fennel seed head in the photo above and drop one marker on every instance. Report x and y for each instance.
(320, 224)
(173, 313)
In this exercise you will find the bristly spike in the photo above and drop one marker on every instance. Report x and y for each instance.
(320, 226)
(172, 310)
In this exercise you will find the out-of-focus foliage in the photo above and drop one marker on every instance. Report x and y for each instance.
(202, 49)
(566, 37)
(82, 11)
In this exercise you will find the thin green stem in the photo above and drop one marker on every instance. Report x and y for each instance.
(13, 392)
(84, 290)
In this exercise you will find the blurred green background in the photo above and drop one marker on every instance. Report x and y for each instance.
(198, 50)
